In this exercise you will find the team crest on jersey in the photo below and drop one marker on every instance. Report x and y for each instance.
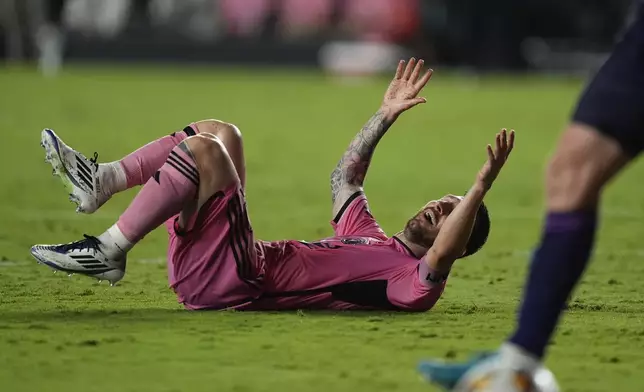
(354, 241)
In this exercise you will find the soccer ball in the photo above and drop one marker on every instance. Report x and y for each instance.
(490, 376)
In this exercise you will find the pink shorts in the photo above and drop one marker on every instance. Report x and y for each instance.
(213, 263)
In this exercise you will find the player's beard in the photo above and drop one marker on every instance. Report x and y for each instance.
(416, 233)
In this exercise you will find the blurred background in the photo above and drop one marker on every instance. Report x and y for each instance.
(341, 36)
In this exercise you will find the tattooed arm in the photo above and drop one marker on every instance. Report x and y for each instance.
(402, 94)
(348, 176)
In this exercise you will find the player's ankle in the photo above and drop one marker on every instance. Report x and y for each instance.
(112, 178)
(114, 244)
(517, 356)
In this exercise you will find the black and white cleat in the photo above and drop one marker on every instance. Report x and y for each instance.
(82, 257)
(79, 175)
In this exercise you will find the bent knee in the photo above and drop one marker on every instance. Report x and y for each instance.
(223, 130)
(583, 162)
(568, 186)
(215, 166)
(205, 148)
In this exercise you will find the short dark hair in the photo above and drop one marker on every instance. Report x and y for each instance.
(480, 231)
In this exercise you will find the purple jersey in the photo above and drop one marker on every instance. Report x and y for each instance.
(358, 268)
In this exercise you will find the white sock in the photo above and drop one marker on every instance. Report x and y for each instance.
(112, 178)
(114, 244)
(518, 358)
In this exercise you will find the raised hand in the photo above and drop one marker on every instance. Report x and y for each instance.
(403, 90)
(496, 157)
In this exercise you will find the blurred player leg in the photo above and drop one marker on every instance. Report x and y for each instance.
(607, 131)
(50, 38)
(584, 162)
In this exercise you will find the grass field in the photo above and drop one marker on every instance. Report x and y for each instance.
(72, 334)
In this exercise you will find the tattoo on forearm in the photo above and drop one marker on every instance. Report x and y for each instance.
(353, 165)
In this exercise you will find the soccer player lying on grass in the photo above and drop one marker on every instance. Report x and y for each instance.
(194, 182)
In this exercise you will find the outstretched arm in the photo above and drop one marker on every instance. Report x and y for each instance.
(455, 233)
(402, 94)
(348, 176)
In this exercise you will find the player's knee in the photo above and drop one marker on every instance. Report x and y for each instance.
(575, 173)
(223, 130)
(216, 170)
(206, 149)
(564, 187)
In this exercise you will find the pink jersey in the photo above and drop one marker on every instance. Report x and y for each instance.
(359, 268)
(214, 261)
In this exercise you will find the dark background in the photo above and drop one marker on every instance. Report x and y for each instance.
(483, 35)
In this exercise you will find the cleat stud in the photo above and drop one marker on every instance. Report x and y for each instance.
(70, 275)
(55, 271)
(100, 281)
(112, 284)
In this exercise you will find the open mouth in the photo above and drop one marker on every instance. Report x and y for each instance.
(429, 217)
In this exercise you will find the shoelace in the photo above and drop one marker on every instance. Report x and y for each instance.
(95, 159)
(90, 242)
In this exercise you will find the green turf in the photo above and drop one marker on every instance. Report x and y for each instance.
(71, 334)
